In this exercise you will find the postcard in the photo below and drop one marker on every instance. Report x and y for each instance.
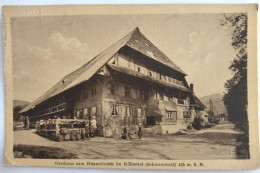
(131, 86)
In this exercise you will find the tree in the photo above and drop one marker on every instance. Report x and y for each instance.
(235, 98)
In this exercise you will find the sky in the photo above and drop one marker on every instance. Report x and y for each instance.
(45, 49)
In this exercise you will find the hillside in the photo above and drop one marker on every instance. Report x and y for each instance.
(20, 103)
(17, 106)
(216, 99)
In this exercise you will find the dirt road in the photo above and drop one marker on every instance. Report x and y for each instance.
(219, 142)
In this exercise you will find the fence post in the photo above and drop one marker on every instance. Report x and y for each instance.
(57, 127)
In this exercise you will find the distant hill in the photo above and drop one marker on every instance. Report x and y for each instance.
(17, 106)
(217, 102)
(20, 103)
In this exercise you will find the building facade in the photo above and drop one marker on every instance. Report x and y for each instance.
(132, 83)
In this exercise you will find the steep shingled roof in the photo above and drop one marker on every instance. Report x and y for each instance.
(134, 39)
(141, 44)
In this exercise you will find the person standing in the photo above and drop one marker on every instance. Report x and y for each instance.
(87, 130)
(94, 122)
(140, 132)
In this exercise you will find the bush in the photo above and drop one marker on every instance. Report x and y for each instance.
(208, 125)
(198, 123)
(189, 126)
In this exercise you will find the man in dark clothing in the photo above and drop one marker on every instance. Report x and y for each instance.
(140, 133)
(124, 136)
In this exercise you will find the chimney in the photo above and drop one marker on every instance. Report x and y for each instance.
(191, 87)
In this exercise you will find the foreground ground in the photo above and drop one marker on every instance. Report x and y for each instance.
(219, 142)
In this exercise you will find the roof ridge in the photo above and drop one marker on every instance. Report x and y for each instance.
(134, 42)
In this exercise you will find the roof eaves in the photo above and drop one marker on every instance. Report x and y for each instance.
(139, 75)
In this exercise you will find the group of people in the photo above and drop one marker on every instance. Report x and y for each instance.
(89, 130)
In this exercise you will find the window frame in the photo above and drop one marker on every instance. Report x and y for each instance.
(130, 108)
(161, 96)
(181, 101)
(170, 97)
(141, 111)
(127, 91)
(115, 110)
(187, 115)
(170, 115)
(113, 89)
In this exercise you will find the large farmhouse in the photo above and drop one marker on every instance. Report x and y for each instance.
(130, 84)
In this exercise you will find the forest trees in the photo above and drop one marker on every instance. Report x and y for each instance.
(235, 98)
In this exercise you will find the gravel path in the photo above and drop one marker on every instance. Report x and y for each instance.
(219, 142)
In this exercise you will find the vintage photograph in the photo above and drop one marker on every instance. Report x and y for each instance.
(171, 86)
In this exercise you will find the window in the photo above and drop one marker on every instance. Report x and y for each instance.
(114, 110)
(113, 89)
(93, 111)
(78, 114)
(181, 101)
(129, 111)
(170, 98)
(157, 95)
(85, 113)
(127, 91)
(93, 91)
(61, 107)
(169, 114)
(161, 96)
(150, 73)
(172, 115)
(142, 94)
(86, 93)
(186, 114)
(170, 79)
(139, 112)
(164, 78)
(134, 93)
(81, 114)
(54, 109)
(160, 76)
